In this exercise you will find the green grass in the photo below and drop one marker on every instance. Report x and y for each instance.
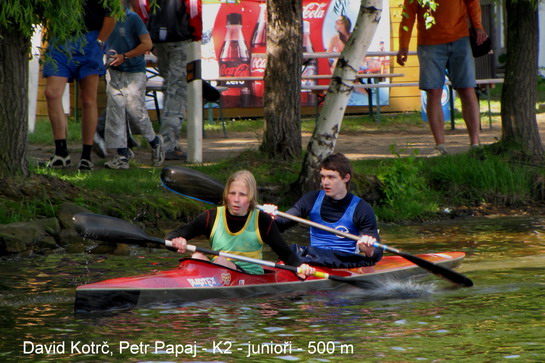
(412, 188)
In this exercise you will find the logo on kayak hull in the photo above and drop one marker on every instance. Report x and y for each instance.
(226, 278)
(203, 282)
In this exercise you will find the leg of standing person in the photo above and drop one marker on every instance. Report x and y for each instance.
(436, 119)
(433, 64)
(54, 89)
(172, 61)
(138, 115)
(471, 113)
(462, 75)
(116, 119)
(88, 89)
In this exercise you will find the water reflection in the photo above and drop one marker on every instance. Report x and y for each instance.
(500, 318)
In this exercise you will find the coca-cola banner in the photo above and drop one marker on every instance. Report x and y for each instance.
(234, 46)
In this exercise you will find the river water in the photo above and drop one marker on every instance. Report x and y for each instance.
(501, 318)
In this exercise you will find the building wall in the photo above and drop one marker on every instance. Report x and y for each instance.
(403, 98)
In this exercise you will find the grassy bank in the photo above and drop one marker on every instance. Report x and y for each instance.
(409, 188)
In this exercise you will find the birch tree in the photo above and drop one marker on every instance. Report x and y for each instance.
(328, 125)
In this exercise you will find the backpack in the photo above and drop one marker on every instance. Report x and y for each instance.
(169, 22)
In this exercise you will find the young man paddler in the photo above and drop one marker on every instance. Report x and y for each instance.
(335, 207)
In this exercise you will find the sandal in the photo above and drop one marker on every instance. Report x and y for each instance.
(58, 162)
(85, 165)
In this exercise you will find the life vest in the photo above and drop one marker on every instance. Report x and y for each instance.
(246, 242)
(322, 239)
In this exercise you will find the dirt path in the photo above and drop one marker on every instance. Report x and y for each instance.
(371, 144)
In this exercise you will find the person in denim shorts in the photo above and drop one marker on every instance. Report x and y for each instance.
(444, 49)
(80, 60)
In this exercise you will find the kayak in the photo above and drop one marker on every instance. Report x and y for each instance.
(196, 280)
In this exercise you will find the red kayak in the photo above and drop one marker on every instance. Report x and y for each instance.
(196, 280)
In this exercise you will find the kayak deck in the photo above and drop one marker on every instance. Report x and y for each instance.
(196, 280)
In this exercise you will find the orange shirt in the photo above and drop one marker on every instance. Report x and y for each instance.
(452, 21)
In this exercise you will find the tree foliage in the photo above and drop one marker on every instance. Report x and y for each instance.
(63, 18)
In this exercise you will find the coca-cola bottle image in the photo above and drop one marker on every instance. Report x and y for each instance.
(309, 68)
(258, 48)
(234, 61)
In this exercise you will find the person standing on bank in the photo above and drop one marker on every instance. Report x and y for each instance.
(126, 88)
(82, 60)
(445, 48)
(171, 33)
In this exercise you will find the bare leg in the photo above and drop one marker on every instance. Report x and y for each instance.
(89, 89)
(471, 113)
(199, 256)
(222, 261)
(225, 262)
(54, 89)
(435, 115)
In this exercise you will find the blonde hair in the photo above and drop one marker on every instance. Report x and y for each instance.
(247, 178)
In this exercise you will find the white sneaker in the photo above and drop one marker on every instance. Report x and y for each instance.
(439, 150)
(158, 153)
(119, 162)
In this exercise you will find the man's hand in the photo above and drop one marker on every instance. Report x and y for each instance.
(365, 245)
(402, 55)
(480, 36)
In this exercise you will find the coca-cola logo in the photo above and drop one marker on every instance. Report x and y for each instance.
(314, 11)
(258, 64)
(240, 70)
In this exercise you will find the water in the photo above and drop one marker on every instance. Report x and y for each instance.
(500, 319)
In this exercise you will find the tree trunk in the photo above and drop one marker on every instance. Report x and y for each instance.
(519, 93)
(282, 137)
(14, 54)
(324, 138)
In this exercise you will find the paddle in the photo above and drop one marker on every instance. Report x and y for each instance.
(176, 179)
(114, 230)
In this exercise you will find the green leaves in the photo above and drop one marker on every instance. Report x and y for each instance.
(61, 18)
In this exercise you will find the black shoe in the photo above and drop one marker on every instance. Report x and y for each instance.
(176, 154)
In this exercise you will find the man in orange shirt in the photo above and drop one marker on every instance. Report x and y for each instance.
(444, 48)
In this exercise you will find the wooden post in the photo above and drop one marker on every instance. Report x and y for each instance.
(194, 104)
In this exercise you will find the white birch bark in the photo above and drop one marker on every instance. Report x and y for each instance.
(322, 143)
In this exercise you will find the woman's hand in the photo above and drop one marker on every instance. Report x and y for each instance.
(180, 244)
(305, 270)
(270, 209)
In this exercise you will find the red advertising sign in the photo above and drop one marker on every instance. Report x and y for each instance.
(234, 45)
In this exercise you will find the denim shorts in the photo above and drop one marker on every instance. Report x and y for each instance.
(76, 60)
(454, 60)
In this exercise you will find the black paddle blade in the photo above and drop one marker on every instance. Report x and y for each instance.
(110, 229)
(192, 184)
(441, 271)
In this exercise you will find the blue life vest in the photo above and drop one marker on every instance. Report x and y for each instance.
(322, 239)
